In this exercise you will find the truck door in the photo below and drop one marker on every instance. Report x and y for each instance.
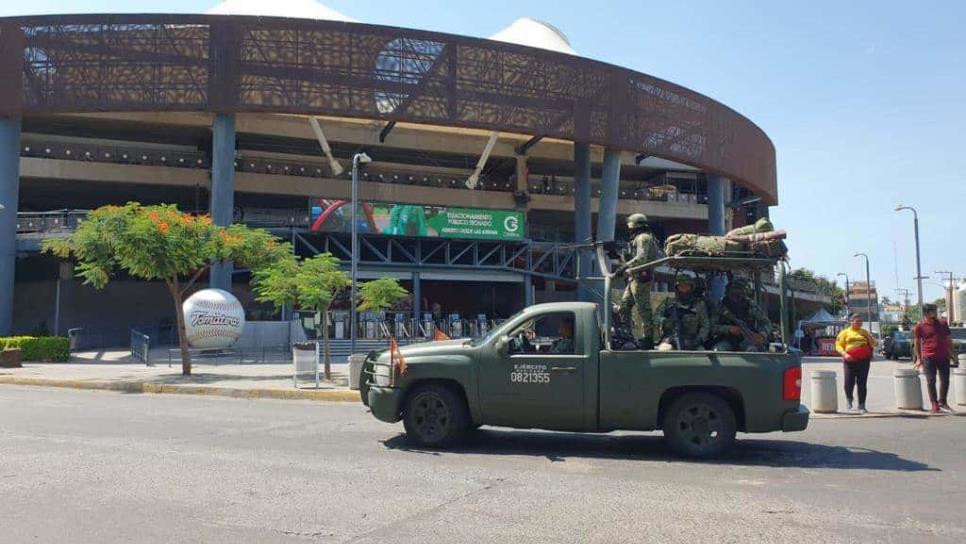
(538, 382)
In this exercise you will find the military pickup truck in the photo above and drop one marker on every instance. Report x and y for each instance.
(515, 376)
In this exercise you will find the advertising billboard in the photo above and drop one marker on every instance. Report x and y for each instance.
(395, 219)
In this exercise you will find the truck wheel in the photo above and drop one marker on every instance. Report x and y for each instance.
(699, 425)
(435, 416)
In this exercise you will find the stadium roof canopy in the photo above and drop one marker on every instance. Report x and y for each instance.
(298, 9)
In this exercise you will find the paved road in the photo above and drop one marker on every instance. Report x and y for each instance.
(89, 466)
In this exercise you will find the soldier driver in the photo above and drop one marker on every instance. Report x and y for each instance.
(683, 320)
(738, 323)
(642, 249)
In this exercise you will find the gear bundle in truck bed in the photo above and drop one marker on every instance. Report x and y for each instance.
(757, 240)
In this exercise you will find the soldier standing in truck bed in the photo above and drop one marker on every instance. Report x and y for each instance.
(682, 320)
(637, 295)
(738, 323)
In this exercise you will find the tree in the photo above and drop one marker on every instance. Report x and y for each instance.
(315, 283)
(836, 294)
(381, 294)
(311, 283)
(161, 243)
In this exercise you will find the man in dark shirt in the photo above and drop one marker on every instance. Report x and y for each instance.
(933, 349)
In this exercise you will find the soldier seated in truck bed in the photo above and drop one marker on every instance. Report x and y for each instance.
(738, 323)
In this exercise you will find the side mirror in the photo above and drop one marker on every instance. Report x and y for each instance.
(502, 346)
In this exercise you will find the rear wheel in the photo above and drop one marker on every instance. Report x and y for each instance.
(699, 425)
(435, 416)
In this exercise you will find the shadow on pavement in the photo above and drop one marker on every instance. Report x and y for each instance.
(558, 447)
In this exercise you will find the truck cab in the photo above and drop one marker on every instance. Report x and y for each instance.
(552, 366)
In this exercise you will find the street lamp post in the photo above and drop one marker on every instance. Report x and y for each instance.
(919, 278)
(357, 159)
(868, 287)
(950, 293)
(848, 294)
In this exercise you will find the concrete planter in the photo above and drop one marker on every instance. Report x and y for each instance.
(908, 389)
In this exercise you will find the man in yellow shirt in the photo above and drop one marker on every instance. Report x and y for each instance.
(855, 345)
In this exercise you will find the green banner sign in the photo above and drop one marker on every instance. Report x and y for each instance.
(421, 221)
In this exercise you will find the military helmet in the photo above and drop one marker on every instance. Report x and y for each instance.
(637, 221)
(681, 279)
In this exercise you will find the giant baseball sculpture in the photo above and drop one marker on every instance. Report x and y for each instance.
(213, 319)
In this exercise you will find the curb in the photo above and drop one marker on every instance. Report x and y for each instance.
(331, 395)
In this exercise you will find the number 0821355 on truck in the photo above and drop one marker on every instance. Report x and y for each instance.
(699, 399)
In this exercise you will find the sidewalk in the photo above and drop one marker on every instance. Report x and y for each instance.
(114, 371)
(881, 400)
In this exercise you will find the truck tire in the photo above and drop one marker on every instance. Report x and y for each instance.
(435, 416)
(699, 425)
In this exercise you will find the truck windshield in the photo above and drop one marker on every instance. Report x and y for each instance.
(486, 337)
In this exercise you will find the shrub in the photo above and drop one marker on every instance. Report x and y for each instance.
(44, 348)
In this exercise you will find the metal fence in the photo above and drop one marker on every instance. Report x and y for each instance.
(141, 347)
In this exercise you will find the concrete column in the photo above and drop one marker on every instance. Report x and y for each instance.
(719, 189)
(609, 189)
(582, 214)
(417, 296)
(222, 188)
(528, 299)
(9, 194)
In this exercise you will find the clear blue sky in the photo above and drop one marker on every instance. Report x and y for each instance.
(864, 101)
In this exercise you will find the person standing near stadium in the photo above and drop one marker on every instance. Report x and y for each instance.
(855, 345)
(933, 351)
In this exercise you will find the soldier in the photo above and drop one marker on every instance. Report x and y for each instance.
(738, 323)
(637, 295)
(683, 320)
(564, 344)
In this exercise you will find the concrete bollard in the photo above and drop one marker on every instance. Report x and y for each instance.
(825, 397)
(959, 382)
(908, 389)
(355, 369)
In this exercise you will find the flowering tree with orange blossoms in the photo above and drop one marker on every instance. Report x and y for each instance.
(162, 243)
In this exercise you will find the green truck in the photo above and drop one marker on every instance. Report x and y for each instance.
(516, 377)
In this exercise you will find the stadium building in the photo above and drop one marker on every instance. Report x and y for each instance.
(490, 157)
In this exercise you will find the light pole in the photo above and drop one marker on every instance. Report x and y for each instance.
(868, 288)
(919, 278)
(848, 294)
(357, 159)
(950, 292)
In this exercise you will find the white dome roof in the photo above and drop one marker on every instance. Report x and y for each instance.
(534, 33)
(301, 9)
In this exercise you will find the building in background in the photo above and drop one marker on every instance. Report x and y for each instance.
(491, 157)
(864, 300)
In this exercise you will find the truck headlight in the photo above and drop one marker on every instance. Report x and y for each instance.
(381, 375)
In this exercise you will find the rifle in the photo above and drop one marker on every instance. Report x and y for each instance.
(676, 316)
(746, 332)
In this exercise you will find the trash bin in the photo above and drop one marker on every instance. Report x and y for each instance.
(908, 389)
(355, 369)
(825, 398)
(959, 383)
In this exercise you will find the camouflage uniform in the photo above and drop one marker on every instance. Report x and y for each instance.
(684, 315)
(637, 294)
(744, 309)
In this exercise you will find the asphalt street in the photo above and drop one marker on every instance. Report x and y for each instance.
(92, 466)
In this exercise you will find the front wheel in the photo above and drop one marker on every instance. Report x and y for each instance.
(700, 425)
(435, 416)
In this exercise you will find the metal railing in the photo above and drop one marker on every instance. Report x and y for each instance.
(141, 347)
(65, 221)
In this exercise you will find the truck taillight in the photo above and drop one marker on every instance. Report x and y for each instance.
(792, 384)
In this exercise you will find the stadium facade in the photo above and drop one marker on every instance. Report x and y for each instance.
(491, 157)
